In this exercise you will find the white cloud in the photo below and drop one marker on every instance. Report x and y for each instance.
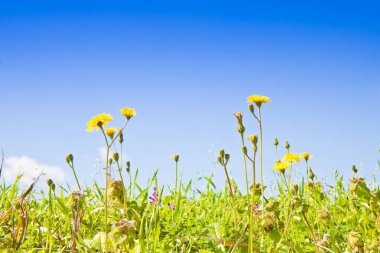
(30, 168)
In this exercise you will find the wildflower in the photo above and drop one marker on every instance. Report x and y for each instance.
(281, 166)
(305, 156)
(110, 132)
(153, 199)
(175, 157)
(97, 121)
(123, 225)
(275, 142)
(258, 100)
(239, 118)
(257, 210)
(324, 240)
(291, 157)
(128, 112)
(171, 206)
(253, 138)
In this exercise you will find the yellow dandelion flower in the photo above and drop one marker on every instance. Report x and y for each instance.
(110, 132)
(306, 156)
(97, 121)
(291, 157)
(281, 166)
(128, 112)
(258, 99)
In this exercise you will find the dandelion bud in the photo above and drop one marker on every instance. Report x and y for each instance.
(128, 168)
(121, 136)
(244, 149)
(116, 156)
(354, 169)
(51, 184)
(69, 159)
(251, 108)
(175, 158)
(253, 138)
(310, 174)
(221, 153)
(239, 117)
(241, 128)
(220, 160)
(275, 142)
(110, 161)
(287, 145)
(227, 157)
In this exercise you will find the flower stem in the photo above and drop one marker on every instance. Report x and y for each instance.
(247, 189)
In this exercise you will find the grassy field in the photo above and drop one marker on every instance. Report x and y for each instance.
(308, 216)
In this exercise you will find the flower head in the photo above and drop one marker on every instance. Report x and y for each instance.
(175, 157)
(253, 138)
(258, 100)
(291, 157)
(97, 121)
(281, 166)
(239, 116)
(128, 112)
(110, 132)
(153, 199)
(306, 156)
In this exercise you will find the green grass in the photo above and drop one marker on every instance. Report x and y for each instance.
(123, 216)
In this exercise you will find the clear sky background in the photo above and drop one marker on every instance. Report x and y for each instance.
(187, 66)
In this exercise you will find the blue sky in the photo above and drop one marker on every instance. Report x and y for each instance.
(187, 67)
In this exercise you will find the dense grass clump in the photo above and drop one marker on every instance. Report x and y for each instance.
(302, 215)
